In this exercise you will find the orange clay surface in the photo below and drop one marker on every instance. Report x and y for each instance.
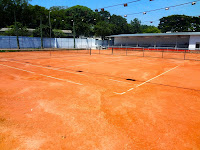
(84, 102)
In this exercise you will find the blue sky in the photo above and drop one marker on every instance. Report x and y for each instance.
(140, 6)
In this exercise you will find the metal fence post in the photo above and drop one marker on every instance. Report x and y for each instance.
(99, 49)
(184, 54)
(143, 51)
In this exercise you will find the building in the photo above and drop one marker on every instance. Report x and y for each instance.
(189, 40)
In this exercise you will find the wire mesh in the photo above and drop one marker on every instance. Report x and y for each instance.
(158, 52)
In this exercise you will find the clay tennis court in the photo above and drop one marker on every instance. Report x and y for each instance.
(80, 101)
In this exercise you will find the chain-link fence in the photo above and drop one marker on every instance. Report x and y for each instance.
(157, 52)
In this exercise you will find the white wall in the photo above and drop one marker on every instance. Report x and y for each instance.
(193, 40)
(69, 43)
(151, 41)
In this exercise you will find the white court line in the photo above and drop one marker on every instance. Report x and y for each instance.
(41, 74)
(57, 69)
(61, 70)
(50, 68)
(146, 81)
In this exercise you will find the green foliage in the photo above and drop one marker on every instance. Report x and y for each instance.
(136, 26)
(149, 29)
(83, 18)
(119, 25)
(17, 29)
(33, 20)
(59, 19)
(10, 7)
(179, 23)
(104, 15)
(45, 32)
(102, 29)
(195, 24)
(85, 21)
(58, 33)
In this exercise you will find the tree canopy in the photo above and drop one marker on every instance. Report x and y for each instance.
(179, 23)
(85, 21)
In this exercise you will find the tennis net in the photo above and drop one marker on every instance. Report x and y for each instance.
(37, 53)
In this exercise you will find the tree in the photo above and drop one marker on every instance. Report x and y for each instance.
(22, 30)
(179, 23)
(119, 25)
(45, 31)
(37, 12)
(195, 24)
(58, 33)
(82, 17)
(104, 15)
(102, 29)
(149, 29)
(58, 18)
(136, 26)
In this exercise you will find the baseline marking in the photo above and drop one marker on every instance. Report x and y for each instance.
(41, 74)
(146, 81)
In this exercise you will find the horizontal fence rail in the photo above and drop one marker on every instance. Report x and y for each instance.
(158, 52)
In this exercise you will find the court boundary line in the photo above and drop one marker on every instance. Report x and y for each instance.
(122, 93)
(41, 74)
(57, 69)
(50, 68)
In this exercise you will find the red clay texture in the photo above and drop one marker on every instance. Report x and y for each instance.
(85, 102)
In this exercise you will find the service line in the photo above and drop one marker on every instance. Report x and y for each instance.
(56, 69)
(50, 68)
(42, 74)
(146, 81)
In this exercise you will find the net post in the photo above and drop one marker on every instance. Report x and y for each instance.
(162, 53)
(90, 51)
(112, 50)
(126, 50)
(184, 54)
(99, 49)
(143, 51)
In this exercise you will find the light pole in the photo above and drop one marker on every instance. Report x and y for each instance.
(16, 26)
(74, 33)
(50, 27)
(41, 32)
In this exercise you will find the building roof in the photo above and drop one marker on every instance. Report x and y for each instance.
(67, 31)
(157, 34)
(6, 29)
(31, 30)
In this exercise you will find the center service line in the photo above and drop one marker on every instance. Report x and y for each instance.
(146, 81)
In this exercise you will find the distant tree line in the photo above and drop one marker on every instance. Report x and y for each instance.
(20, 15)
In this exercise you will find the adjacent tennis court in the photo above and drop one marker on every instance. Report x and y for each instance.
(74, 100)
